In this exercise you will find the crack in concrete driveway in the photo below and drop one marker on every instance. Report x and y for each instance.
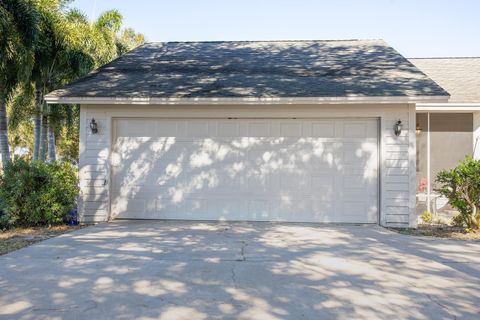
(199, 270)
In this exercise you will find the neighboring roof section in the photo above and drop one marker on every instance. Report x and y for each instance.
(256, 69)
(459, 76)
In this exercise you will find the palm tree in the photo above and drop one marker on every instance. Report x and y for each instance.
(18, 34)
(58, 61)
(67, 47)
(127, 40)
(72, 48)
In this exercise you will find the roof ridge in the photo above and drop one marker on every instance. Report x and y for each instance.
(249, 41)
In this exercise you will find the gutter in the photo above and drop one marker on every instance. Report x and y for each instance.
(448, 107)
(247, 100)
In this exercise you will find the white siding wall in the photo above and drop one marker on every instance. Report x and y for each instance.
(93, 169)
(397, 156)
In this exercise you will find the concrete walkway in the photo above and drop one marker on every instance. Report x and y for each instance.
(183, 270)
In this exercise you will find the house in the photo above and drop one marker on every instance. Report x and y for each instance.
(301, 131)
(446, 132)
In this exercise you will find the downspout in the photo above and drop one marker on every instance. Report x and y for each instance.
(475, 148)
(428, 164)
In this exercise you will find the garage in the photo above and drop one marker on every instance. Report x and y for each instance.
(294, 131)
(301, 170)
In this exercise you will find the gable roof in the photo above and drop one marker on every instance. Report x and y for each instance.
(255, 69)
(459, 76)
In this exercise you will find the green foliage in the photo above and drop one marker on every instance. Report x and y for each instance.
(6, 220)
(57, 59)
(37, 193)
(67, 132)
(461, 186)
(109, 20)
(18, 32)
(62, 46)
(127, 40)
(427, 217)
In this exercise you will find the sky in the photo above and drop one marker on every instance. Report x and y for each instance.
(416, 28)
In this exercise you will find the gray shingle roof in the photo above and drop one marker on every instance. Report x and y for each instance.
(459, 76)
(350, 68)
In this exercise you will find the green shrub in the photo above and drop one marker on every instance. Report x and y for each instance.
(37, 193)
(426, 217)
(461, 186)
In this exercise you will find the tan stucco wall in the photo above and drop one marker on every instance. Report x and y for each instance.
(476, 135)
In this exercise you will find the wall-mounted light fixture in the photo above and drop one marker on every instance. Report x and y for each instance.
(397, 128)
(93, 126)
(418, 130)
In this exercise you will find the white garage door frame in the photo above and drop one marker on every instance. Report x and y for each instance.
(378, 121)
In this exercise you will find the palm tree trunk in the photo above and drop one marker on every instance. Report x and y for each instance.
(51, 144)
(42, 154)
(38, 124)
(4, 149)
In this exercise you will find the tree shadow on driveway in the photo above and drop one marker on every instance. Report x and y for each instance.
(195, 270)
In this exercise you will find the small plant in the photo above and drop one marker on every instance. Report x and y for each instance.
(461, 186)
(426, 217)
(37, 193)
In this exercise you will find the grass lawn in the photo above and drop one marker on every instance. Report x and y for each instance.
(440, 232)
(18, 238)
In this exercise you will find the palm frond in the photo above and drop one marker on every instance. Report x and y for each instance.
(111, 20)
(21, 105)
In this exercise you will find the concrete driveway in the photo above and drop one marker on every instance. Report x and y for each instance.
(183, 270)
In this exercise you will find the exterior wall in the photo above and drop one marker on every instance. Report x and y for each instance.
(449, 138)
(476, 135)
(397, 156)
(93, 204)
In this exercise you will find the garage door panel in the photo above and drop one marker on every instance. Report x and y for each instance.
(323, 129)
(323, 210)
(260, 182)
(354, 129)
(227, 129)
(294, 182)
(195, 208)
(197, 129)
(259, 129)
(291, 129)
(136, 128)
(230, 209)
(259, 209)
(246, 169)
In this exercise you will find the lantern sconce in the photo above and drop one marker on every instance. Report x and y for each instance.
(397, 128)
(418, 130)
(93, 126)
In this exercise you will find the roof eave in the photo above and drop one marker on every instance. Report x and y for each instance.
(246, 100)
(448, 107)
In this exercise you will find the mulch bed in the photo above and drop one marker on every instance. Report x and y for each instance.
(440, 231)
(11, 240)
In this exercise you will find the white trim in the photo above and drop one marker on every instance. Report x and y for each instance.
(448, 107)
(111, 118)
(429, 175)
(476, 135)
(248, 100)
(412, 156)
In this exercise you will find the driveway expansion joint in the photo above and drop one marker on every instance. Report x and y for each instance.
(195, 270)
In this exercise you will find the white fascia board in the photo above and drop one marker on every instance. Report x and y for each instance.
(201, 101)
(448, 107)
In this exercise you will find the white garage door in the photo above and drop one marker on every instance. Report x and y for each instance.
(303, 170)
